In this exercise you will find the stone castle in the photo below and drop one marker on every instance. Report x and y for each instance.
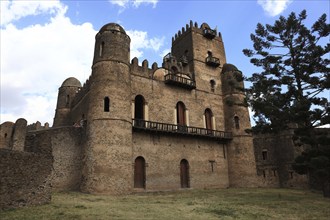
(131, 128)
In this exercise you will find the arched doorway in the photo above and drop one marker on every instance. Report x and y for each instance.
(139, 173)
(184, 173)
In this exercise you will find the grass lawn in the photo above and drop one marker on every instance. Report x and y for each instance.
(185, 204)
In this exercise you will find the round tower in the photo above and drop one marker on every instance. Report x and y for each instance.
(66, 93)
(241, 159)
(108, 166)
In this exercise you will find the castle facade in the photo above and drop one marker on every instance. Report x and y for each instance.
(132, 128)
(160, 128)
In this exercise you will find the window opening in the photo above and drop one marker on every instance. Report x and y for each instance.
(208, 120)
(236, 120)
(139, 103)
(212, 165)
(274, 171)
(6, 135)
(67, 100)
(106, 104)
(264, 155)
(181, 116)
(212, 83)
(264, 173)
(101, 49)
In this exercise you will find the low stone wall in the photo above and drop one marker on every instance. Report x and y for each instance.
(25, 176)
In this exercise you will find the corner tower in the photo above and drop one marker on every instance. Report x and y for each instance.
(108, 166)
(241, 159)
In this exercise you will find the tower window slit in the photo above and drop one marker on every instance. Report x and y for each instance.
(106, 104)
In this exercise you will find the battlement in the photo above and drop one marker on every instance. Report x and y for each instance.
(144, 69)
(82, 91)
(204, 30)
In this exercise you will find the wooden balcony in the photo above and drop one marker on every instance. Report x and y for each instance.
(212, 61)
(157, 127)
(209, 33)
(174, 79)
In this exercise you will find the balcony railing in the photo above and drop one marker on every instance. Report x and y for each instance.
(151, 126)
(177, 80)
(212, 61)
(209, 33)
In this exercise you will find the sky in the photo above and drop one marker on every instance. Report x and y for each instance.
(45, 42)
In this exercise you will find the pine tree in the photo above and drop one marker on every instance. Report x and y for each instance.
(289, 90)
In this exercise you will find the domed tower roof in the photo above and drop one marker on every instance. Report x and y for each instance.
(112, 27)
(71, 81)
(227, 67)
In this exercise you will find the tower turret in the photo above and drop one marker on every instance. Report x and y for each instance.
(108, 167)
(241, 161)
(201, 51)
(66, 94)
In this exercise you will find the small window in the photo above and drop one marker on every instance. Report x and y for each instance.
(264, 173)
(274, 172)
(209, 53)
(106, 104)
(212, 165)
(67, 100)
(291, 174)
(264, 155)
(6, 135)
(212, 84)
(101, 49)
(236, 121)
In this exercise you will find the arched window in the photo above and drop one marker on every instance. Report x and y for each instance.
(139, 103)
(208, 119)
(106, 104)
(139, 173)
(101, 49)
(236, 121)
(181, 116)
(184, 173)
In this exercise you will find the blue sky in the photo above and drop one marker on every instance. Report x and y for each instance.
(45, 42)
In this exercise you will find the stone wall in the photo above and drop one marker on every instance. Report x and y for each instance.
(274, 155)
(67, 152)
(25, 176)
(208, 166)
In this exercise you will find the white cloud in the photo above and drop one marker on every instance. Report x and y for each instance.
(274, 7)
(140, 41)
(15, 10)
(36, 59)
(136, 3)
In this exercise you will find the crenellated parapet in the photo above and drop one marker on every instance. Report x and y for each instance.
(204, 30)
(144, 69)
(37, 126)
(82, 91)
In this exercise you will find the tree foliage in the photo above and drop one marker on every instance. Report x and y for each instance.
(294, 77)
